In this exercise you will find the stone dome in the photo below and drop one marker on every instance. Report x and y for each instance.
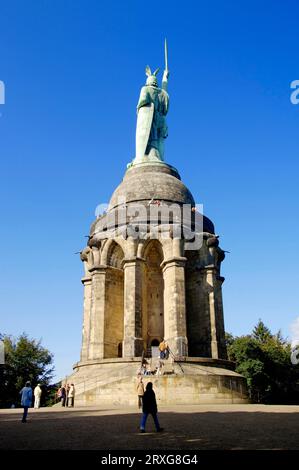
(146, 181)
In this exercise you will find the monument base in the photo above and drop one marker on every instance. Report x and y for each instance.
(189, 381)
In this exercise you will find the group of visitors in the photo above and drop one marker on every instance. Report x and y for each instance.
(147, 369)
(66, 395)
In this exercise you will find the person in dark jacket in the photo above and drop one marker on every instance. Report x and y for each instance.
(149, 407)
(26, 400)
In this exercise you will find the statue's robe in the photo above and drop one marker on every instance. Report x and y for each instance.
(160, 99)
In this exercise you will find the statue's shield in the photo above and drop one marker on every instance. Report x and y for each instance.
(143, 129)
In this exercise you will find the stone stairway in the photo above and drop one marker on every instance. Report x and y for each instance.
(160, 367)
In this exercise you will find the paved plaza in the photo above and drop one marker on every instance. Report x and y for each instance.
(204, 427)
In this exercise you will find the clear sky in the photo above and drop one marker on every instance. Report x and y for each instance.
(73, 71)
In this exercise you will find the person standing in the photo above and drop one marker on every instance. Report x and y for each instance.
(159, 367)
(162, 349)
(140, 390)
(58, 394)
(67, 389)
(62, 395)
(37, 396)
(26, 400)
(149, 406)
(166, 350)
(71, 396)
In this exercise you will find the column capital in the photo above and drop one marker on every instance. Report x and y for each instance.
(178, 261)
(98, 268)
(85, 280)
(132, 261)
(211, 268)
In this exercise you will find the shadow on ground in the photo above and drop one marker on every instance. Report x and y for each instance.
(98, 430)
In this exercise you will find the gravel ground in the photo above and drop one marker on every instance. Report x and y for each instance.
(204, 427)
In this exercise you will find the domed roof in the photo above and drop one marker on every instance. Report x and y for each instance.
(146, 181)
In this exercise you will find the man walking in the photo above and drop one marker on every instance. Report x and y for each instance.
(149, 406)
(26, 400)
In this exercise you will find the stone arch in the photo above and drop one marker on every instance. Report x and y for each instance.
(106, 248)
(150, 243)
(109, 247)
(144, 244)
(115, 256)
(153, 304)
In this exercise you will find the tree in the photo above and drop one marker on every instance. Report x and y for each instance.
(261, 333)
(264, 359)
(25, 359)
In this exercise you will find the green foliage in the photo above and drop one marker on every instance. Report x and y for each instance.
(264, 360)
(261, 333)
(25, 359)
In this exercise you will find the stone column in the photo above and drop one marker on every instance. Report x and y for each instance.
(86, 281)
(175, 330)
(133, 342)
(211, 285)
(97, 316)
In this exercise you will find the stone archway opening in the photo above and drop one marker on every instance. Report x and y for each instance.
(153, 303)
(114, 314)
(120, 350)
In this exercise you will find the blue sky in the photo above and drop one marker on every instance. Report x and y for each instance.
(73, 71)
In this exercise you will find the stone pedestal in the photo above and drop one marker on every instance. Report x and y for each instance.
(112, 382)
